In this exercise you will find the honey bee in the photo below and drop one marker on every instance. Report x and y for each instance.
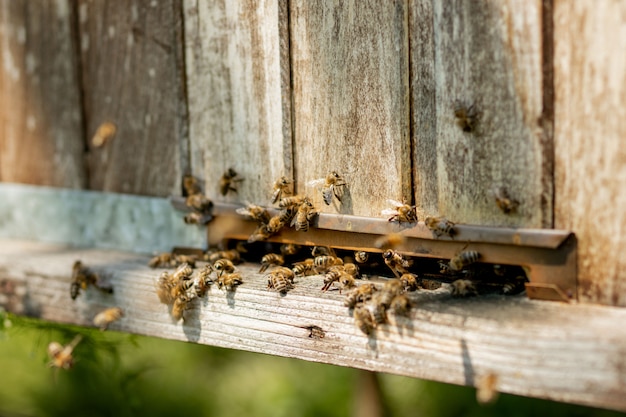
(61, 356)
(224, 265)
(322, 263)
(108, 316)
(400, 212)
(181, 259)
(363, 319)
(271, 259)
(181, 288)
(280, 220)
(463, 288)
(291, 202)
(281, 186)
(332, 275)
(351, 269)
(463, 259)
(361, 256)
(390, 241)
(400, 305)
(514, 287)
(304, 268)
(232, 255)
(195, 217)
(229, 181)
(388, 292)
(377, 311)
(322, 251)
(165, 285)
(466, 117)
(440, 226)
(184, 271)
(261, 233)
(306, 212)
(162, 260)
(333, 184)
(82, 277)
(279, 282)
(256, 213)
(105, 132)
(360, 294)
(180, 305)
(204, 280)
(396, 262)
(191, 185)
(409, 282)
(289, 249)
(347, 281)
(504, 202)
(199, 203)
(487, 389)
(229, 281)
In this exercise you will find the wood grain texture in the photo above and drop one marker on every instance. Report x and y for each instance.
(238, 85)
(132, 76)
(571, 353)
(487, 55)
(590, 164)
(40, 114)
(351, 108)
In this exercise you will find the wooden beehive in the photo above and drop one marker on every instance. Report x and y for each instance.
(298, 88)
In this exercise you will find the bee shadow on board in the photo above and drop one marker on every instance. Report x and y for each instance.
(191, 323)
(345, 205)
(230, 298)
(404, 325)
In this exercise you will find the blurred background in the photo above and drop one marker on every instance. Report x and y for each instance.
(126, 375)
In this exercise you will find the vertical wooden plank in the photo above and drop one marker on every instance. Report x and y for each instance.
(590, 157)
(239, 100)
(351, 109)
(132, 66)
(40, 119)
(489, 55)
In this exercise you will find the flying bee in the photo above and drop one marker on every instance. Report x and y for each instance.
(271, 259)
(195, 217)
(363, 319)
(105, 132)
(306, 212)
(463, 259)
(304, 268)
(466, 117)
(332, 275)
(183, 272)
(229, 181)
(361, 256)
(229, 281)
(232, 255)
(377, 311)
(61, 356)
(400, 212)
(351, 269)
(396, 262)
(440, 226)
(463, 288)
(224, 265)
(390, 241)
(410, 282)
(389, 291)
(504, 202)
(199, 203)
(487, 389)
(281, 186)
(204, 280)
(261, 233)
(108, 316)
(82, 276)
(333, 184)
(256, 213)
(360, 294)
(289, 249)
(322, 263)
(278, 282)
(180, 305)
(191, 185)
(400, 305)
(322, 251)
(291, 202)
(162, 260)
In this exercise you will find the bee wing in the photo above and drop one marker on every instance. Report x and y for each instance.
(316, 183)
(394, 203)
(243, 211)
(388, 212)
(327, 193)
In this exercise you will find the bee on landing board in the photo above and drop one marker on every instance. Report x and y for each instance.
(229, 281)
(282, 186)
(360, 294)
(229, 181)
(271, 259)
(463, 288)
(108, 316)
(401, 213)
(280, 281)
(332, 185)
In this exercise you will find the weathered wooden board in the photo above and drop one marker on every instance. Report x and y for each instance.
(132, 76)
(351, 104)
(487, 55)
(590, 157)
(40, 108)
(237, 61)
(572, 353)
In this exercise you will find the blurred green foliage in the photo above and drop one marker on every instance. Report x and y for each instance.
(126, 375)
